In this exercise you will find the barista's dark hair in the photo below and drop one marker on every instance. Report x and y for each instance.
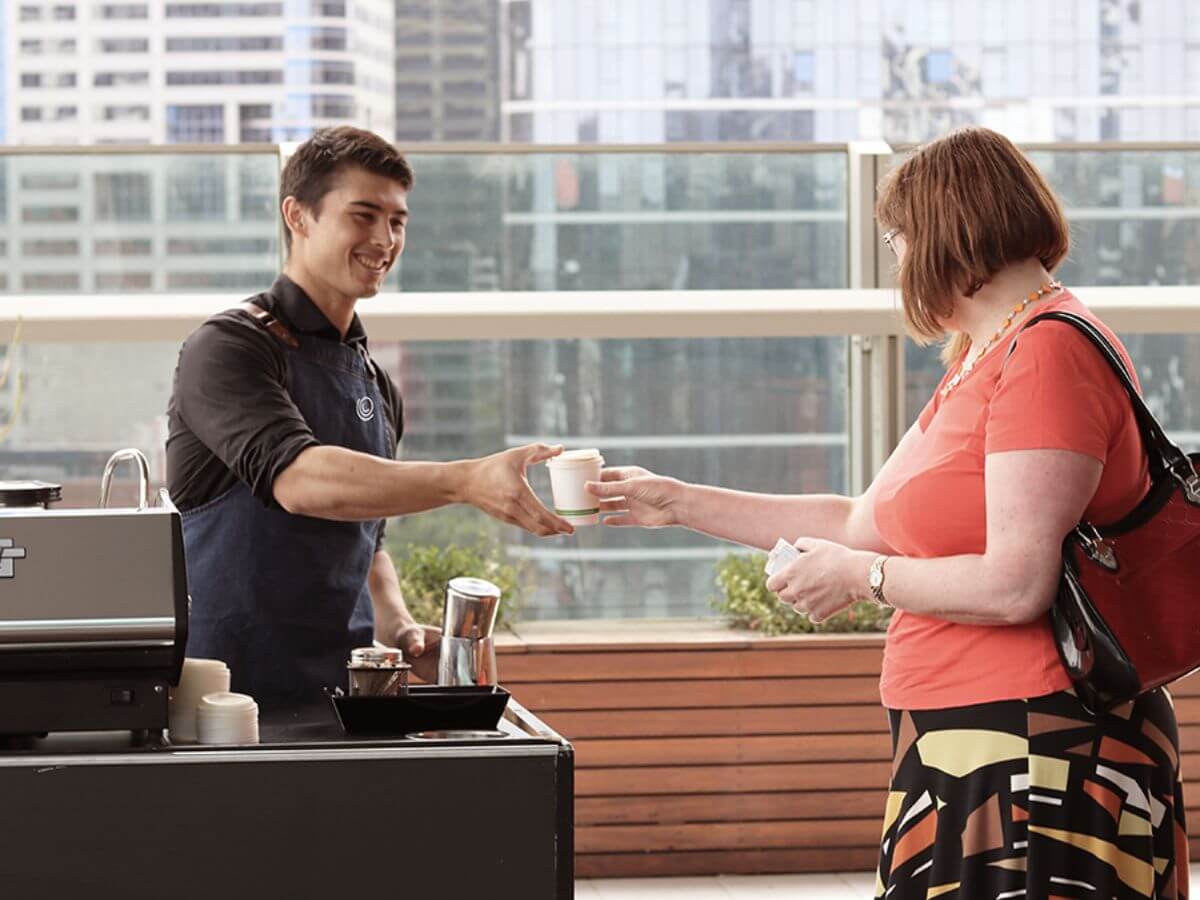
(312, 169)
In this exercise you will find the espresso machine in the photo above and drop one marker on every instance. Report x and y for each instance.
(93, 609)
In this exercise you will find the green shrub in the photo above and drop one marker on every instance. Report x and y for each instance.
(746, 603)
(425, 571)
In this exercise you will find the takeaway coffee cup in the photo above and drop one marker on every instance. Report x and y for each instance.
(569, 472)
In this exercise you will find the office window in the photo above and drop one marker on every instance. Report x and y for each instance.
(30, 14)
(126, 247)
(124, 281)
(63, 13)
(464, 88)
(209, 279)
(321, 106)
(994, 81)
(126, 113)
(49, 247)
(304, 37)
(201, 124)
(252, 76)
(31, 114)
(803, 70)
(50, 281)
(124, 11)
(304, 9)
(124, 45)
(66, 113)
(196, 191)
(49, 181)
(122, 196)
(218, 246)
(223, 10)
(120, 79)
(253, 130)
(48, 80)
(223, 44)
(31, 47)
(939, 66)
(44, 214)
(1191, 65)
(461, 61)
(320, 72)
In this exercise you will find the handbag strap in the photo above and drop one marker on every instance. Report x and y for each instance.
(1165, 456)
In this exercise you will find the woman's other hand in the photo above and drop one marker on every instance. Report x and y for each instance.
(638, 497)
(824, 580)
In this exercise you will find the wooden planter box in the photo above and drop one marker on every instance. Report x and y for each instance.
(702, 750)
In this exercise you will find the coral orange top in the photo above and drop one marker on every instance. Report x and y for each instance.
(1055, 392)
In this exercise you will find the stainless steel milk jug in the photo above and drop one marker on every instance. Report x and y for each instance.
(468, 654)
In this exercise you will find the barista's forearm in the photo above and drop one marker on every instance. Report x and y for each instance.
(335, 483)
(759, 520)
(391, 612)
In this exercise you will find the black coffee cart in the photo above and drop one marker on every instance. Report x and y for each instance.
(310, 812)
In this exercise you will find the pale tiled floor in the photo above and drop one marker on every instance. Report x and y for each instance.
(842, 886)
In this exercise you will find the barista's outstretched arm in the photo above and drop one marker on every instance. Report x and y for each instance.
(336, 483)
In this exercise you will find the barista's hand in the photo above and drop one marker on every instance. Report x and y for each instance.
(639, 497)
(497, 485)
(420, 646)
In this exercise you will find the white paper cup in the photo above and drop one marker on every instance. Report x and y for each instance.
(199, 677)
(569, 472)
(225, 718)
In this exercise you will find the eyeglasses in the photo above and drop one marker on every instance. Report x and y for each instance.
(889, 238)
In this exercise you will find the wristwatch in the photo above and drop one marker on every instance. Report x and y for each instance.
(875, 580)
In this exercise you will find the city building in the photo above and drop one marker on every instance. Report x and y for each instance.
(838, 70)
(447, 70)
(196, 72)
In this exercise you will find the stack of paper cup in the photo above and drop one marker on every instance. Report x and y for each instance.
(200, 677)
(225, 718)
(569, 472)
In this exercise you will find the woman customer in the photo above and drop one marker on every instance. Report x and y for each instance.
(1003, 784)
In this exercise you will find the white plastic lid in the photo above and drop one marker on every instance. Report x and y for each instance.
(222, 702)
(576, 458)
(200, 664)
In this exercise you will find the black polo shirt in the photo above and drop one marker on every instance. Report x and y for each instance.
(230, 416)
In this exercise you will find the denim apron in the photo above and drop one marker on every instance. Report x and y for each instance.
(282, 598)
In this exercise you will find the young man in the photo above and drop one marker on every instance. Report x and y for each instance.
(282, 440)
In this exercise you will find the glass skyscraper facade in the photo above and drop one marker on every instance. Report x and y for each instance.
(839, 70)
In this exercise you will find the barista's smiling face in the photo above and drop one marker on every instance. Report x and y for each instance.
(346, 245)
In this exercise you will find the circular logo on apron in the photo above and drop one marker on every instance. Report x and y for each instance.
(365, 409)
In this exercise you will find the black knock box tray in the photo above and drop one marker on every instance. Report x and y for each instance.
(426, 707)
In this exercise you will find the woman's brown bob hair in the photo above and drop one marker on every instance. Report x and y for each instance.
(967, 205)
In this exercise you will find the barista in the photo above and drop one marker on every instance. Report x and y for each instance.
(282, 440)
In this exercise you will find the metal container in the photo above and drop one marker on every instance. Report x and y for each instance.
(468, 653)
(377, 672)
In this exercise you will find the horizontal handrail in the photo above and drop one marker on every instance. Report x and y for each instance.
(549, 315)
(679, 148)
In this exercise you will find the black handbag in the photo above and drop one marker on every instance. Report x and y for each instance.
(1126, 618)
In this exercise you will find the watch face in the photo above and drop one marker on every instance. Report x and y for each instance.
(876, 578)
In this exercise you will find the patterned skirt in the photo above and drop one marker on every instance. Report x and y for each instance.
(1035, 799)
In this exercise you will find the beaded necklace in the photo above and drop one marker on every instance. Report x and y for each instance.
(1049, 287)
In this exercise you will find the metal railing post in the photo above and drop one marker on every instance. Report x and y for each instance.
(875, 362)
